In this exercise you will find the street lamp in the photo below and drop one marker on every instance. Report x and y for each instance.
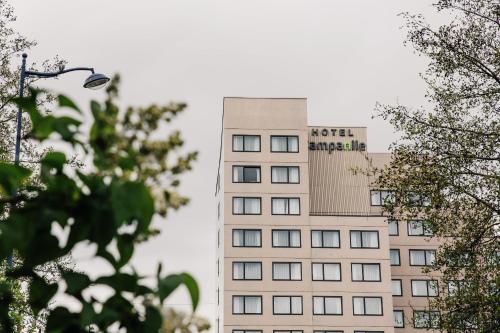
(94, 81)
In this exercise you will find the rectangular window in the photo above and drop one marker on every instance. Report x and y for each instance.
(247, 238)
(247, 304)
(417, 199)
(457, 286)
(246, 206)
(367, 306)
(288, 331)
(424, 288)
(395, 258)
(399, 318)
(246, 174)
(419, 228)
(326, 272)
(422, 257)
(368, 331)
(365, 272)
(325, 238)
(364, 239)
(247, 331)
(286, 238)
(287, 271)
(379, 197)
(284, 144)
(327, 305)
(247, 270)
(289, 305)
(316, 331)
(393, 228)
(285, 206)
(426, 319)
(246, 143)
(397, 287)
(285, 174)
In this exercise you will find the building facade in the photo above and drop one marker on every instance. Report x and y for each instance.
(302, 244)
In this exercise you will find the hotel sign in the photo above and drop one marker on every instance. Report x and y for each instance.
(331, 139)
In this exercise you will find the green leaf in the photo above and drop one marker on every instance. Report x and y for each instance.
(67, 102)
(41, 293)
(76, 282)
(193, 289)
(54, 160)
(125, 246)
(120, 281)
(132, 201)
(167, 285)
(153, 320)
(11, 177)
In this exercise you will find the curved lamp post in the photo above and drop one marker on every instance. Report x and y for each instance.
(94, 81)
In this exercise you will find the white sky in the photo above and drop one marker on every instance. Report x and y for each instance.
(343, 55)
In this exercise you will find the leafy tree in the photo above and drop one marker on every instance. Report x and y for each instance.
(130, 177)
(446, 165)
(11, 46)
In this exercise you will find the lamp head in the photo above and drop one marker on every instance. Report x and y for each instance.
(96, 81)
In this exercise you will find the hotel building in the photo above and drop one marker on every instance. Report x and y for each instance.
(302, 244)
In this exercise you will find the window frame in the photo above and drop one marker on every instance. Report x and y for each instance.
(423, 229)
(244, 230)
(328, 331)
(289, 270)
(254, 214)
(425, 256)
(364, 306)
(363, 272)
(403, 314)
(288, 199)
(427, 287)
(287, 247)
(246, 330)
(246, 151)
(287, 331)
(287, 174)
(244, 270)
(428, 312)
(287, 143)
(380, 196)
(244, 301)
(364, 247)
(246, 166)
(401, 287)
(324, 306)
(290, 298)
(322, 263)
(399, 257)
(397, 227)
(322, 238)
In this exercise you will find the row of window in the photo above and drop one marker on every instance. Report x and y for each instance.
(291, 206)
(319, 238)
(300, 331)
(279, 143)
(252, 206)
(322, 305)
(320, 271)
(421, 319)
(279, 174)
(384, 197)
(414, 228)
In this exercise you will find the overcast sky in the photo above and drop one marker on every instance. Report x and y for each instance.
(343, 55)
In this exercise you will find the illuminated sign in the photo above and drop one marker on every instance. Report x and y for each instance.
(345, 142)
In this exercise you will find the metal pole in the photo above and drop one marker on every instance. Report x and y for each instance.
(19, 128)
(19, 112)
